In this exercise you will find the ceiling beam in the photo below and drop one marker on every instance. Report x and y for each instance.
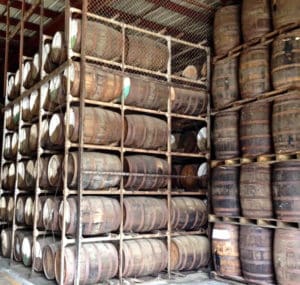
(15, 22)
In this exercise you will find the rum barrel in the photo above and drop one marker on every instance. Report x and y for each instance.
(226, 135)
(144, 214)
(95, 119)
(55, 170)
(187, 101)
(285, 12)
(28, 211)
(33, 138)
(225, 191)
(256, 191)
(98, 263)
(56, 130)
(189, 252)
(9, 123)
(147, 53)
(254, 76)
(287, 256)
(256, 19)
(225, 247)
(47, 65)
(49, 255)
(144, 257)
(143, 165)
(93, 165)
(285, 62)
(188, 141)
(10, 145)
(226, 29)
(99, 215)
(25, 106)
(34, 101)
(102, 41)
(19, 237)
(21, 174)
(44, 162)
(11, 92)
(3, 205)
(26, 250)
(17, 83)
(286, 194)
(6, 236)
(58, 52)
(30, 174)
(26, 77)
(24, 141)
(194, 176)
(286, 123)
(35, 68)
(188, 213)
(256, 251)
(20, 210)
(11, 176)
(225, 85)
(50, 213)
(100, 85)
(10, 209)
(46, 102)
(255, 129)
(56, 90)
(145, 93)
(145, 132)
(40, 206)
(45, 140)
(16, 114)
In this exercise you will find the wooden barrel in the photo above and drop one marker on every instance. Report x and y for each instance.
(56, 130)
(55, 170)
(44, 162)
(144, 52)
(225, 249)
(145, 132)
(255, 129)
(26, 76)
(47, 64)
(30, 174)
(19, 237)
(58, 52)
(95, 119)
(49, 254)
(285, 12)
(51, 213)
(256, 191)
(225, 85)
(4, 176)
(16, 114)
(25, 106)
(144, 257)
(226, 135)
(45, 140)
(33, 138)
(189, 252)
(286, 123)
(34, 102)
(226, 29)
(3, 205)
(28, 211)
(187, 101)
(10, 209)
(256, 252)
(17, 83)
(37, 252)
(20, 210)
(202, 139)
(225, 191)
(9, 123)
(11, 92)
(102, 41)
(176, 170)
(285, 186)
(99, 84)
(194, 176)
(93, 165)
(145, 94)
(145, 164)
(144, 214)
(35, 68)
(40, 206)
(99, 215)
(11, 176)
(10, 145)
(254, 76)
(6, 236)
(24, 141)
(21, 174)
(287, 256)
(256, 19)
(26, 250)
(188, 141)
(285, 62)
(46, 102)
(98, 263)
(57, 91)
(188, 213)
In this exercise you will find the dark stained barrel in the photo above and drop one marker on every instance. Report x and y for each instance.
(26, 250)
(10, 145)
(4, 176)
(254, 75)
(189, 252)
(3, 205)
(226, 29)
(285, 60)
(144, 214)
(144, 257)
(146, 132)
(51, 213)
(285, 12)
(194, 176)
(55, 170)
(225, 191)
(98, 263)
(93, 164)
(11, 176)
(11, 92)
(176, 170)
(99, 85)
(188, 213)
(44, 162)
(48, 256)
(256, 19)
(287, 256)
(40, 205)
(286, 194)
(102, 41)
(226, 135)
(19, 236)
(58, 52)
(256, 191)
(99, 215)
(190, 141)
(9, 123)
(145, 94)
(225, 247)
(256, 251)
(6, 235)
(147, 53)
(145, 164)
(255, 129)
(286, 122)
(187, 101)
(225, 85)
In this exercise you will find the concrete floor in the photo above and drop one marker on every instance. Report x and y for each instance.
(17, 274)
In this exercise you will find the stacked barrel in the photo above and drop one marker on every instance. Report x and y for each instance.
(253, 134)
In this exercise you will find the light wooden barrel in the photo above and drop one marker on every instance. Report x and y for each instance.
(6, 235)
(48, 258)
(26, 250)
(20, 210)
(28, 211)
(19, 237)
(58, 52)
(55, 170)
(51, 213)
